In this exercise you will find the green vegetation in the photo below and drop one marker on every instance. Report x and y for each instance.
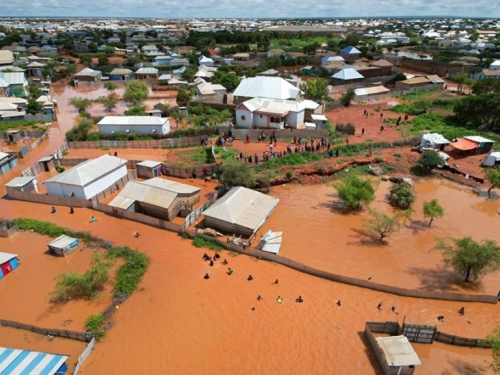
(87, 286)
(433, 210)
(199, 241)
(50, 229)
(224, 77)
(315, 89)
(470, 258)
(382, 224)
(184, 95)
(94, 324)
(80, 131)
(202, 115)
(109, 102)
(430, 160)
(19, 125)
(32, 107)
(204, 155)
(136, 110)
(34, 92)
(129, 274)
(494, 338)
(136, 92)
(348, 97)
(237, 174)
(81, 104)
(354, 191)
(402, 195)
(479, 110)
(60, 169)
(493, 176)
(110, 86)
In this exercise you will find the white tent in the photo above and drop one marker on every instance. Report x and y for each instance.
(492, 159)
(433, 140)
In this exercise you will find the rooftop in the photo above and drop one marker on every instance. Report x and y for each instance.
(267, 87)
(133, 120)
(398, 351)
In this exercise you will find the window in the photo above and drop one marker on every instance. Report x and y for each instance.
(260, 116)
(243, 118)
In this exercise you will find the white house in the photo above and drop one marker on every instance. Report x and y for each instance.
(270, 113)
(265, 87)
(205, 88)
(139, 124)
(495, 65)
(205, 61)
(87, 179)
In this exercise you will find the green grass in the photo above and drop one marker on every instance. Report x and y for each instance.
(199, 241)
(20, 125)
(296, 44)
(94, 324)
(418, 95)
(203, 155)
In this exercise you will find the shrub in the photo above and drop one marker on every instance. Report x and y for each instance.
(402, 195)
(129, 274)
(93, 324)
(199, 241)
(378, 160)
(289, 174)
(347, 129)
(60, 169)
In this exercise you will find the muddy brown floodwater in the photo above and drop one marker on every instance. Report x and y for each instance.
(179, 323)
(319, 233)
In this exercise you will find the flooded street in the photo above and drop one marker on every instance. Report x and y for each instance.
(179, 323)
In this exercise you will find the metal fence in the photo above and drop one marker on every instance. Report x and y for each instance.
(152, 143)
(80, 336)
(84, 356)
(193, 216)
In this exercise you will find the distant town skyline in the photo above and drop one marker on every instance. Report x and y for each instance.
(252, 9)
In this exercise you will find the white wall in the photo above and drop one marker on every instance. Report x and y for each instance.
(140, 129)
(260, 120)
(86, 192)
(247, 122)
(495, 67)
(294, 119)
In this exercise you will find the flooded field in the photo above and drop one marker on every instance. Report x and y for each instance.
(319, 233)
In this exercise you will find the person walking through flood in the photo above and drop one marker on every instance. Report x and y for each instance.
(53, 211)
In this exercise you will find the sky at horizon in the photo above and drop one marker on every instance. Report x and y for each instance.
(250, 9)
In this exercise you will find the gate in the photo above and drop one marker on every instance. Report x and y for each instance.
(419, 333)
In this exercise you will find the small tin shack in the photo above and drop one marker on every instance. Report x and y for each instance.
(13, 136)
(25, 184)
(148, 169)
(63, 245)
(47, 164)
(8, 263)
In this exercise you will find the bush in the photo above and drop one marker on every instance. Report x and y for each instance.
(93, 324)
(430, 160)
(289, 174)
(60, 169)
(402, 195)
(129, 274)
(347, 129)
(199, 241)
(378, 160)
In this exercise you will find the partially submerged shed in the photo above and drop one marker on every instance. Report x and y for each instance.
(25, 184)
(47, 163)
(17, 361)
(8, 263)
(63, 245)
(399, 354)
(241, 211)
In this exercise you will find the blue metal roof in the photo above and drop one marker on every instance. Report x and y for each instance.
(26, 362)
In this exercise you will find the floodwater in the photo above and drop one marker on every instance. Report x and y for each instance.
(319, 233)
(179, 323)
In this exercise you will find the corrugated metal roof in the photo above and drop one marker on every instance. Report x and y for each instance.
(17, 361)
(319, 117)
(5, 257)
(245, 207)
(156, 191)
(20, 181)
(3, 155)
(309, 104)
(13, 99)
(416, 80)
(351, 50)
(15, 78)
(120, 72)
(398, 351)
(62, 241)
(88, 171)
(382, 63)
(133, 120)
(149, 163)
(435, 79)
(273, 105)
(347, 74)
(147, 71)
(88, 72)
(267, 87)
(479, 139)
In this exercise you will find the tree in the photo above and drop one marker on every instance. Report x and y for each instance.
(32, 107)
(237, 174)
(136, 110)
(188, 73)
(103, 60)
(493, 176)
(423, 105)
(479, 110)
(402, 195)
(80, 103)
(460, 80)
(399, 77)
(382, 224)
(85, 59)
(348, 97)
(92, 47)
(310, 49)
(136, 92)
(109, 102)
(486, 86)
(494, 338)
(429, 160)
(110, 86)
(354, 191)
(183, 96)
(109, 50)
(229, 80)
(470, 258)
(315, 89)
(433, 210)
(34, 91)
